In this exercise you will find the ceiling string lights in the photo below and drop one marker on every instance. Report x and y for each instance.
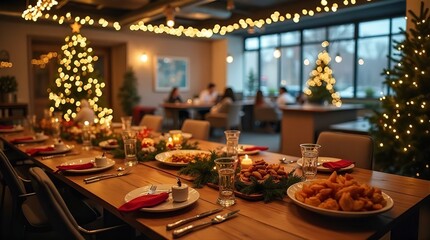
(35, 12)
(169, 12)
(247, 23)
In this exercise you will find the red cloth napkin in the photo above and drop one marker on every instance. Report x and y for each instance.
(253, 148)
(34, 151)
(6, 126)
(20, 139)
(337, 165)
(149, 200)
(75, 166)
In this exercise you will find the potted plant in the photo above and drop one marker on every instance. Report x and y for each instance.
(128, 94)
(8, 88)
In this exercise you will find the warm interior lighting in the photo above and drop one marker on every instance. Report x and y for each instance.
(144, 57)
(169, 12)
(230, 5)
(360, 61)
(338, 58)
(229, 58)
(277, 53)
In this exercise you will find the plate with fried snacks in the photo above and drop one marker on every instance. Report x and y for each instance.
(181, 158)
(340, 196)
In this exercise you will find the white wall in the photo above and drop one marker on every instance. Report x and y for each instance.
(207, 61)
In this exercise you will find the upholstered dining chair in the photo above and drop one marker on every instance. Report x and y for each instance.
(198, 128)
(232, 118)
(25, 205)
(266, 115)
(57, 211)
(354, 147)
(153, 122)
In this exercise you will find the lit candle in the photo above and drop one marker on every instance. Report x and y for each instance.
(246, 162)
(176, 136)
(169, 143)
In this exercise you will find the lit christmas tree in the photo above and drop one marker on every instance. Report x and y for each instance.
(321, 82)
(77, 80)
(402, 130)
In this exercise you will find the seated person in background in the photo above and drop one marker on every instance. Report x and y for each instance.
(174, 97)
(266, 112)
(85, 113)
(209, 95)
(261, 101)
(284, 97)
(227, 99)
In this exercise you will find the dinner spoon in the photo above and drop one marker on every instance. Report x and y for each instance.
(284, 160)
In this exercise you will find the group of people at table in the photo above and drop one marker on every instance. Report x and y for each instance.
(220, 102)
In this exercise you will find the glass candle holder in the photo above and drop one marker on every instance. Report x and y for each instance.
(177, 138)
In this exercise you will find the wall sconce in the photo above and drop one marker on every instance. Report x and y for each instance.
(169, 12)
(143, 57)
(338, 58)
(229, 58)
(277, 53)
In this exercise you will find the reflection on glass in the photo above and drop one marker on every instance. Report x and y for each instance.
(374, 51)
(269, 71)
(251, 78)
(310, 52)
(290, 71)
(373, 28)
(342, 70)
(314, 35)
(341, 31)
(269, 40)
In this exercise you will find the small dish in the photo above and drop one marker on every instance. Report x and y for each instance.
(322, 160)
(64, 149)
(109, 164)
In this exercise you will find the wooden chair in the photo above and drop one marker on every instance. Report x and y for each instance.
(153, 122)
(354, 147)
(57, 211)
(267, 115)
(198, 128)
(232, 118)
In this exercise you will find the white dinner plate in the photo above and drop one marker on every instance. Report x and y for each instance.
(322, 160)
(298, 186)
(168, 205)
(106, 145)
(164, 156)
(34, 140)
(14, 129)
(110, 163)
(67, 148)
(241, 151)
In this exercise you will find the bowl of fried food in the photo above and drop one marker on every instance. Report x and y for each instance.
(261, 171)
(340, 196)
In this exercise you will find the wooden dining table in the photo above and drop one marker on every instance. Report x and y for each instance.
(279, 219)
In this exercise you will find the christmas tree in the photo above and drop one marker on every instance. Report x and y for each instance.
(402, 129)
(77, 80)
(128, 92)
(321, 82)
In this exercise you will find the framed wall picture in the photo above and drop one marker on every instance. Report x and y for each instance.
(171, 72)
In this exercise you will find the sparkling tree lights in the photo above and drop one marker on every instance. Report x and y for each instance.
(77, 80)
(402, 129)
(321, 82)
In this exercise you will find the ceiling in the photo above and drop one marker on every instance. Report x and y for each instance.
(195, 13)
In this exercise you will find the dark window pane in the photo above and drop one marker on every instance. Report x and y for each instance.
(341, 32)
(397, 24)
(290, 38)
(314, 35)
(269, 40)
(290, 69)
(251, 66)
(373, 28)
(342, 64)
(372, 53)
(269, 71)
(251, 43)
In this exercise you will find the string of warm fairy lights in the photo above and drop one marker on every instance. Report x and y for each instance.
(71, 72)
(35, 12)
(275, 17)
(44, 59)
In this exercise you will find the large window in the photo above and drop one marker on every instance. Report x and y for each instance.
(358, 54)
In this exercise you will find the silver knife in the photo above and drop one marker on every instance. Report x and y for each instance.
(99, 176)
(176, 224)
(217, 219)
(60, 155)
(91, 180)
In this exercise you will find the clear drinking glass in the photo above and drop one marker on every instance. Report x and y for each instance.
(126, 123)
(56, 126)
(130, 149)
(232, 141)
(226, 171)
(86, 136)
(310, 154)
